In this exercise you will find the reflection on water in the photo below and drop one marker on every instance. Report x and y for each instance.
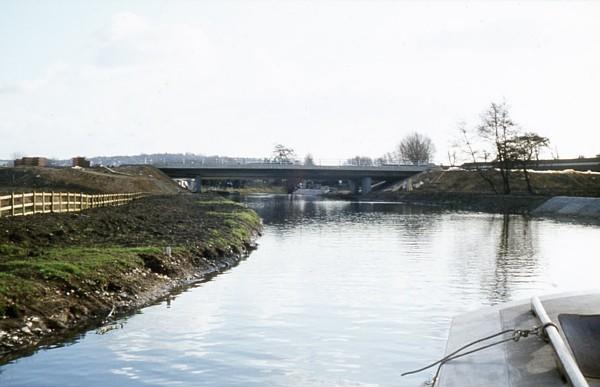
(338, 293)
(515, 256)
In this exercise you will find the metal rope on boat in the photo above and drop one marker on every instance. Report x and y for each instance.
(517, 334)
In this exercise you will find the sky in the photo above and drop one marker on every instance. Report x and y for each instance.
(331, 78)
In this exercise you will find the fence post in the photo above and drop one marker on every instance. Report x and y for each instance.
(34, 202)
(60, 205)
(23, 203)
(12, 203)
(81, 201)
(43, 202)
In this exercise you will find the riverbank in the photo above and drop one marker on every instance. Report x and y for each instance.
(63, 273)
(458, 189)
(468, 201)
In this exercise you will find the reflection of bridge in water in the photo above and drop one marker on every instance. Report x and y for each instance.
(362, 176)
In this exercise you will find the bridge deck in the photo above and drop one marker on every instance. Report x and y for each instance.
(291, 170)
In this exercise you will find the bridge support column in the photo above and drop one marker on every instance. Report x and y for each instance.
(197, 185)
(352, 187)
(365, 184)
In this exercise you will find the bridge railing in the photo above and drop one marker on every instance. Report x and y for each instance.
(279, 166)
(325, 163)
(22, 204)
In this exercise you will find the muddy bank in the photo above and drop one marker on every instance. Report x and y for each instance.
(63, 273)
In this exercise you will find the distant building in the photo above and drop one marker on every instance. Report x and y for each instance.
(80, 162)
(31, 162)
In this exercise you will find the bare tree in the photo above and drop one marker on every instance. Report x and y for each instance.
(474, 155)
(525, 150)
(504, 147)
(309, 160)
(283, 154)
(452, 154)
(416, 149)
(499, 130)
(360, 161)
(387, 158)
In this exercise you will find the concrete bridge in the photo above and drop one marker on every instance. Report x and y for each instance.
(356, 175)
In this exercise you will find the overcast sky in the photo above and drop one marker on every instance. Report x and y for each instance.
(333, 78)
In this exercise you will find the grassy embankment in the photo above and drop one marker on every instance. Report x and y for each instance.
(62, 271)
(461, 189)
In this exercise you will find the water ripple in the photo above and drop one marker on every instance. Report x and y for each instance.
(338, 294)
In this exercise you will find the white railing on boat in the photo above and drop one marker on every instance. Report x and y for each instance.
(566, 361)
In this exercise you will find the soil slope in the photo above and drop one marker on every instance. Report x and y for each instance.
(545, 183)
(467, 190)
(61, 273)
(135, 178)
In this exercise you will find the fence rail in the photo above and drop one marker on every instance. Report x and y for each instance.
(21, 204)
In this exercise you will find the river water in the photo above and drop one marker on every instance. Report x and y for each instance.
(337, 294)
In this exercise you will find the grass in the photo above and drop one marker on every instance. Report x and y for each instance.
(24, 278)
(65, 263)
(31, 275)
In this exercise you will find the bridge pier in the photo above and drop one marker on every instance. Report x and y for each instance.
(352, 187)
(365, 184)
(197, 187)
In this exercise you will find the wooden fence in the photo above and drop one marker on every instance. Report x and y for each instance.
(20, 204)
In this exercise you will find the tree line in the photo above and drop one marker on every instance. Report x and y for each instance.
(496, 145)
(415, 148)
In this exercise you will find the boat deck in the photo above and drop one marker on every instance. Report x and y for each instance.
(528, 362)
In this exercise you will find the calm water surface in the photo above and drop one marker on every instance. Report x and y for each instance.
(337, 294)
